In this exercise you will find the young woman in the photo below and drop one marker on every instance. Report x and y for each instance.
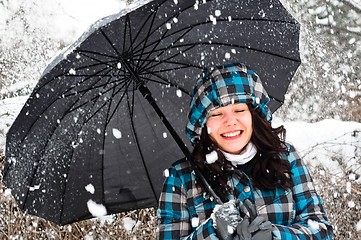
(266, 189)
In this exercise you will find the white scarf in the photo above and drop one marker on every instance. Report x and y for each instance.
(244, 157)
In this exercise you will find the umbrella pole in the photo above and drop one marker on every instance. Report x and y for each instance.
(148, 96)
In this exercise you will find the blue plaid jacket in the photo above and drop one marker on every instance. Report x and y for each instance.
(297, 213)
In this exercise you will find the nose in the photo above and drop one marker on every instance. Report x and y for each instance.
(230, 119)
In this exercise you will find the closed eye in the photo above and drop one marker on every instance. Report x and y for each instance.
(215, 114)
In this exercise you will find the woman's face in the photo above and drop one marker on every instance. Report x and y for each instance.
(230, 127)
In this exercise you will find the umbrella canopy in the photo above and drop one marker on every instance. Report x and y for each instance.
(91, 133)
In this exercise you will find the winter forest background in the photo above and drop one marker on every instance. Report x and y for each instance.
(325, 94)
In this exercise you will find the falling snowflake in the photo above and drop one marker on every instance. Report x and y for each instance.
(166, 173)
(35, 187)
(211, 157)
(72, 71)
(195, 222)
(95, 209)
(116, 133)
(90, 188)
(213, 19)
(179, 93)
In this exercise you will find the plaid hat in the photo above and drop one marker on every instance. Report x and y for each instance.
(228, 84)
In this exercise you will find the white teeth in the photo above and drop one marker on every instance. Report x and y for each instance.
(232, 134)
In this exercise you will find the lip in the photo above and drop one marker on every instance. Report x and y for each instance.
(232, 134)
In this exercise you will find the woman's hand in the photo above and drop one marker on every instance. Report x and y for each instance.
(258, 229)
(227, 218)
(253, 227)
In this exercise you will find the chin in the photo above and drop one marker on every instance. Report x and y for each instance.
(235, 150)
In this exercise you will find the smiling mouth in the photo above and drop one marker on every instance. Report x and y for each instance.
(232, 134)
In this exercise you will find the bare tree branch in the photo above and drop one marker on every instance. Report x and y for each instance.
(351, 5)
(341, 29)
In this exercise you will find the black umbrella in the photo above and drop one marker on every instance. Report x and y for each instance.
(108, 115)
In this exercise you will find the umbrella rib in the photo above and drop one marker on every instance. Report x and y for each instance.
(83, 52)
(108, 100)
(189, 28)
(69, 166)
(89, 77)
(127, 25)
(110, 43)
(72, 75)
(144, 42)
(253, 49)
(131, 111)
(138, 33)
(171, 57)
(131, 46)
(104, 135)
(83, 92)
(276, 99)
(156, 45)
(162, 23)
(146, 39)
(229, 45)
(149, 32)
(120, 100)
(49, 106)
(51, 133)
(94, 99)
(93, 87)
(96, 53)
(210, 22)
(37, 165)
(166, 82)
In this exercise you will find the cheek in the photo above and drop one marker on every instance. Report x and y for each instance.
(247, 122)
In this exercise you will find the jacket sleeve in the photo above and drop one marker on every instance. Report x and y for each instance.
(310, 218)
(173, 217)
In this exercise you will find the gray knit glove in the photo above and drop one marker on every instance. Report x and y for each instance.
(226, 218)
(253, 227)
(258, 229)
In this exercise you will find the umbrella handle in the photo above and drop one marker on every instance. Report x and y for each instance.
(148, 96)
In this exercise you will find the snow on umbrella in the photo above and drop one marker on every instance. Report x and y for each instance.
(90, 133)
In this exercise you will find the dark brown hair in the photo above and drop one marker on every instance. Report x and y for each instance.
(267, 169)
